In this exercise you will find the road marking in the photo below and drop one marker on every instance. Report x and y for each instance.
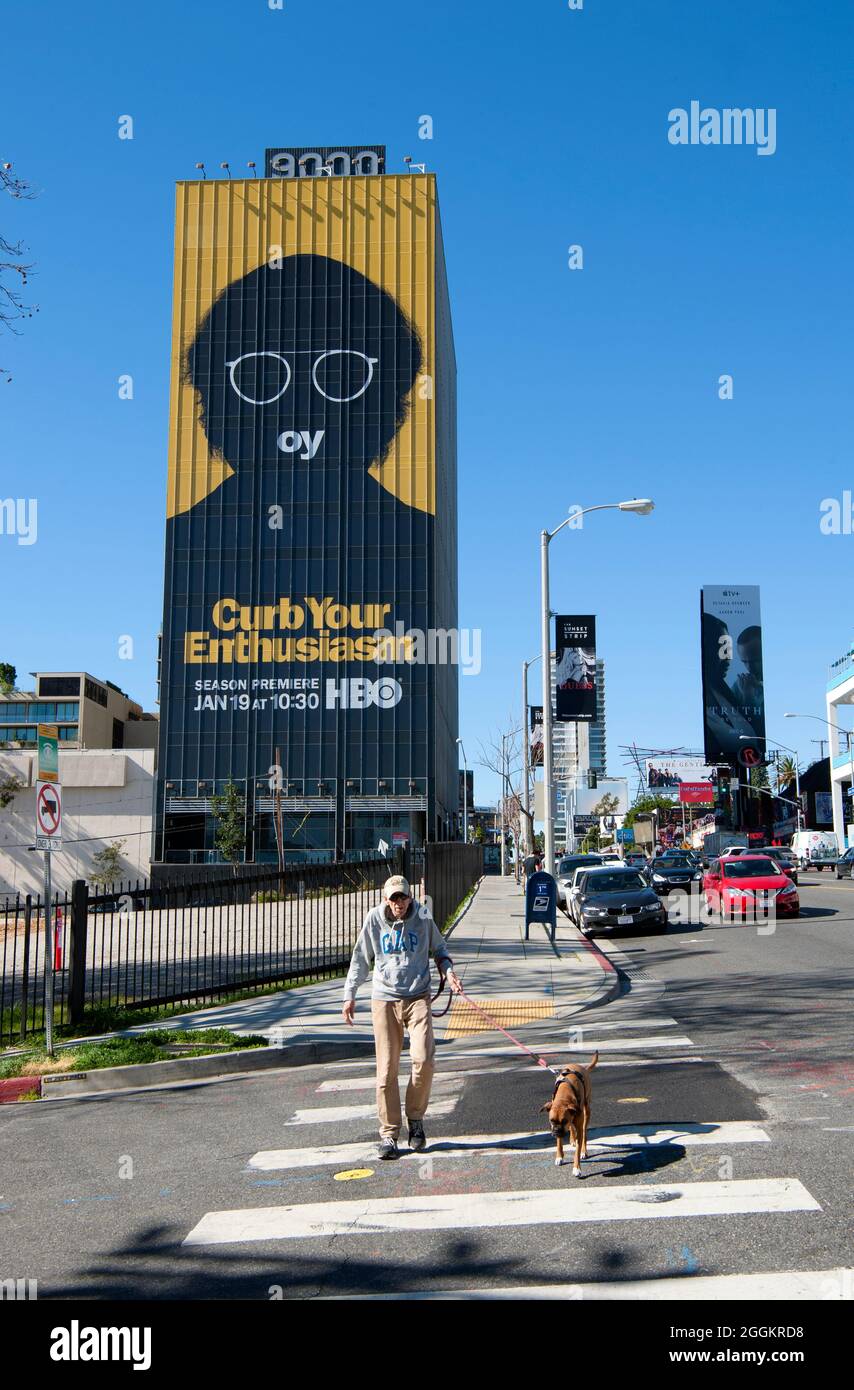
(368, 1083)
(477, 1210)
(526, 1142)
(337, 1114)
(627, 1044)
(824, 1284)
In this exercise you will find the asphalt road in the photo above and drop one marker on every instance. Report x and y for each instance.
(721, 1145)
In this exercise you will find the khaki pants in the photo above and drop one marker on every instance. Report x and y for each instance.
(389, 1022)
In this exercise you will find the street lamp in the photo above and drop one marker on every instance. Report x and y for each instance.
(641, 506)
(830, 724)
(749, 738)
(465, 794)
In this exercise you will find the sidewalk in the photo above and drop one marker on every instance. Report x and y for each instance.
(517, 981)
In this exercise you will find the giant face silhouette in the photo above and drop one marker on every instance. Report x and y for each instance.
(305, 364)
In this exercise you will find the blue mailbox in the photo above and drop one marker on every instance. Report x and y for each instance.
(541, 903)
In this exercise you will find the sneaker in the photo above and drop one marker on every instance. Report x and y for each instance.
(417, 1138)
(387, 1148)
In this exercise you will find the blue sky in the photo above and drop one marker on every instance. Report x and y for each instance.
(550, 129)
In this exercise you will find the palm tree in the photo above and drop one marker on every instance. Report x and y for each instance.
(787, 772)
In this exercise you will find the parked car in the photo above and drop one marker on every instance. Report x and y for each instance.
(606, 899)
(674, 872)
(572, 890)
(735, 883)
(785, 859)
(565, 869)
(845, 864)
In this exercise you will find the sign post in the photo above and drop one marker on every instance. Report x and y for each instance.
(48, 839)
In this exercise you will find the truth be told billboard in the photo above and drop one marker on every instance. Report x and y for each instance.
(733, 679)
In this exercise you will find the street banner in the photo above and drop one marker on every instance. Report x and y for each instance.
(575, 668)
(733, 681)
(536, 735)
(697, 793)
(48, 743)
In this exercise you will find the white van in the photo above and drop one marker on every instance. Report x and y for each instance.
(815, 848)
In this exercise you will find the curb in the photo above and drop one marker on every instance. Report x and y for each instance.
(109, 1080)
(13, 1087)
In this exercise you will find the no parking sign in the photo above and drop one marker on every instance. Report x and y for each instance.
(48, 816)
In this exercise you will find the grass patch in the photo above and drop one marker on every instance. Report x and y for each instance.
(463, 903)
(155, 1046)
(115, 1018)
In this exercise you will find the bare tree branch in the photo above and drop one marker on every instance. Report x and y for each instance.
(14, 271)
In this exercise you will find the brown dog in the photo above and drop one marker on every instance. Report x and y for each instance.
(569, 1110)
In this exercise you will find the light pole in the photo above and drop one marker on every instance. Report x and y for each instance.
(642, 506)
(465, 794)
(749, 738)
(528, 842)
(830, 724)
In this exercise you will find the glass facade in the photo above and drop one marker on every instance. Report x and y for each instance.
(28, 733)
(38, 711)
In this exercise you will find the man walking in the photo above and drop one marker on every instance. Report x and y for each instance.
(395, 941)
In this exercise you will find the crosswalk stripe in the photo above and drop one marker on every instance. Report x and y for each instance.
(795, 1285)
(496, 1145)
(476, 1210)
(336, 1114)
(368, 1083)
(627, 1044)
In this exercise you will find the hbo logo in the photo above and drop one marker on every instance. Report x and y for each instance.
(360, 692)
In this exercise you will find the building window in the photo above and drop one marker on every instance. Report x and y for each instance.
(60, 685)
(95, 692)
(68, 733)
(118, 734)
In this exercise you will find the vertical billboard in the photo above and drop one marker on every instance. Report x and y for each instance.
(575, 668)
(536, 755)
(733, 683)
(312, 375)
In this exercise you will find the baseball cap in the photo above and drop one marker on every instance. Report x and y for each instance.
(397, 884)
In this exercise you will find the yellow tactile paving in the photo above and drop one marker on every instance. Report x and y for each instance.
(510, 1013)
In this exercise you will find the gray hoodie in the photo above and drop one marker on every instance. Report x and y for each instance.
(399, 953)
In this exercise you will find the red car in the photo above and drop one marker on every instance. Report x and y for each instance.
(749, 885)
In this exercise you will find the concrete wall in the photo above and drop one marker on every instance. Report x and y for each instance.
(106, 795)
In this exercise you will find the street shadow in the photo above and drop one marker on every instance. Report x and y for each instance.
(154, 1265)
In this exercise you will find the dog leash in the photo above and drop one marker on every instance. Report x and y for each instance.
(540, 1061)
(442, 1013)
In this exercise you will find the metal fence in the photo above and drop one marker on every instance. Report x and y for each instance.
(153, 944)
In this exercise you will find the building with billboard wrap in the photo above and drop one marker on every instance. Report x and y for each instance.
(311, 541)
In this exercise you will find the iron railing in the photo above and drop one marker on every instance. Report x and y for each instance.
(196, 939)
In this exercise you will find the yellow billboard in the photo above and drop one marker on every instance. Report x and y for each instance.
(323, 285)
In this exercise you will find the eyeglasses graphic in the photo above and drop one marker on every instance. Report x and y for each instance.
(339, 374)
